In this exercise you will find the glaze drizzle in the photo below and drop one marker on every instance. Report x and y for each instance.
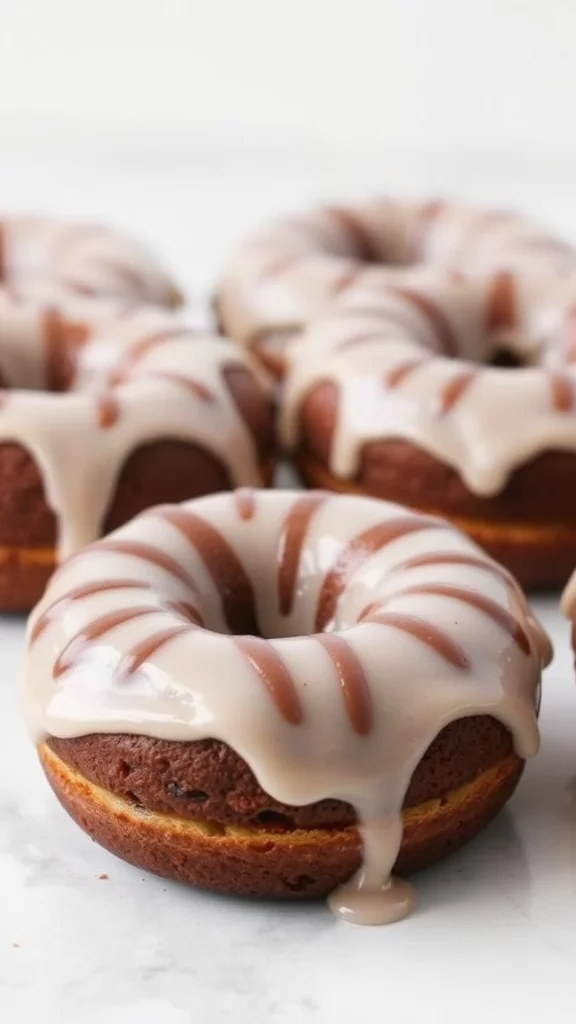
(459, 286)
(373, 628)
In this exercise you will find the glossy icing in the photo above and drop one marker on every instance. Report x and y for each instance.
(326, 639)
(403, 306)
(91, 381)
(50, 258)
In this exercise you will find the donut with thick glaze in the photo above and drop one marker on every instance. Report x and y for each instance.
(430, 351)
(109, 408)
(265, 692)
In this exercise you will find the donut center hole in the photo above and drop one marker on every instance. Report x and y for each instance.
(505, 358)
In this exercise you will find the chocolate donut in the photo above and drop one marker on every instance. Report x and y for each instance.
(106, 410)
(443, 378)
(283, 694)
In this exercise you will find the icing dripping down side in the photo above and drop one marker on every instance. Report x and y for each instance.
(125, 380)
(353, 663)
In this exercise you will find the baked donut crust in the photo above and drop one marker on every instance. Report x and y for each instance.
(291, 864)
(427, 351)
(528, 527)
(304, 665)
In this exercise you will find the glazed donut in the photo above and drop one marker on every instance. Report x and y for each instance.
(108, 410)
(48, 257)
(444, 380)
(292, 270)
(244, 691)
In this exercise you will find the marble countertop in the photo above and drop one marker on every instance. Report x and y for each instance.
(86, 939)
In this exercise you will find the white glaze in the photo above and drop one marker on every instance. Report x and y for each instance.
(300, 290)
(501, 420)
(80, 459)
(50, 257)
(413, 689)
(291, 270)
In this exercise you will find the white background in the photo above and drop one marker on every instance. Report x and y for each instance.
(357, 71)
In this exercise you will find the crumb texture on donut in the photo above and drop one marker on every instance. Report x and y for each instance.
(265, 861)
(331, 644)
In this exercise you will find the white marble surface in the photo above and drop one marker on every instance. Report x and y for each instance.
(495, 928)
(494, 936)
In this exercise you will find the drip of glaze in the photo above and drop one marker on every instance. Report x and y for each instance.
(373, 896)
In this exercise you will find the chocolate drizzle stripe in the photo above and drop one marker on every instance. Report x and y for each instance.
(476, 600)
(145, 552)
(352, 681)
(561, 392)
(78, 287)
(356, 553)
(363, 338)
(397, 375)
(131, 276)
(292, 537)
(193, 386)
(272, 671)
(245, 501)
(281, 264)
(347, 279)
(425, 633)
(500, 311)
(357, 234)
(107, 410)
(223, 565)
(93, 631)
(434, 317)
(454, 389)
(143, 346)
(150, 645)
(270, 361)
(77, 594)
(454, 558)
(185, 610)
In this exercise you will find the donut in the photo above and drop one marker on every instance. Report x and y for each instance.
(50, 257)
(105, 410)
(442, 379)
(284, 694)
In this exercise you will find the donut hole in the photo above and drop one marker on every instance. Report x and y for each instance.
(506, 359)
